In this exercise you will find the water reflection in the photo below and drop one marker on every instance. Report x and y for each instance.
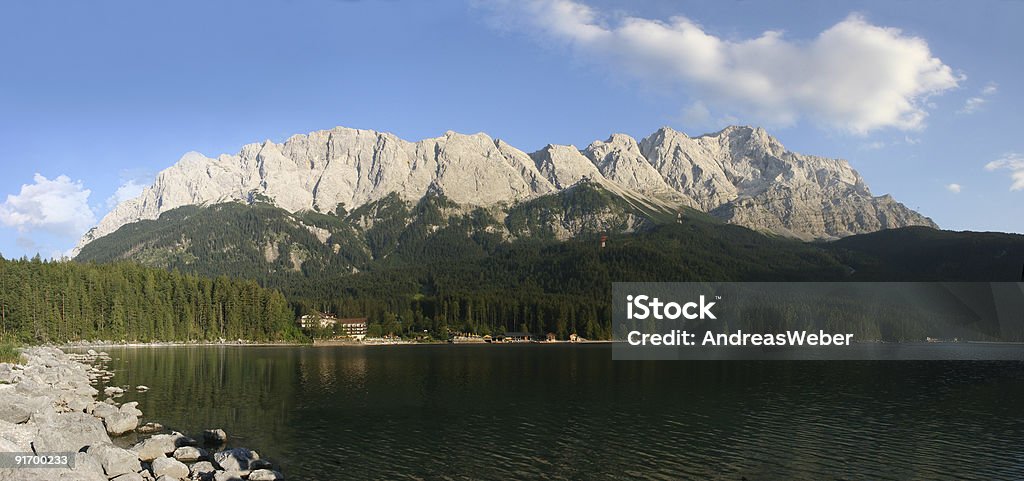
(569, 412)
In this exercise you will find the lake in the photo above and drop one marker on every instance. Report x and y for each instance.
(570, 412)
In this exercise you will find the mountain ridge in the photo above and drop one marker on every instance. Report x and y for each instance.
(740, 174)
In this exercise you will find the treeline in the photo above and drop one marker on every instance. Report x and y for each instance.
(472, 312)
(49, 301)
(565, 287)
(549, 286)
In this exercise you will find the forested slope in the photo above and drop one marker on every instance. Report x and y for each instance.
(433, 266)
(43, 301)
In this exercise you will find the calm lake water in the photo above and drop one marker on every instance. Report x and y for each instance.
(570, 412)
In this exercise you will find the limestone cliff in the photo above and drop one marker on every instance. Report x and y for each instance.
(740, 174)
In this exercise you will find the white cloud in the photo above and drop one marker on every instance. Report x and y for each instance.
(59, 206)
(130, 189)
(1015, 164)
(954, 188)
(854, 76)
(973, 104)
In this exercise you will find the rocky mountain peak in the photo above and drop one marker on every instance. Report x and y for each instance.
(620, 160)
(564, 165)
(744, 140)
(666, 131)
(741, 174)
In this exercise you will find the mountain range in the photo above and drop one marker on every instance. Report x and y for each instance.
(466, 233)
(740, 175)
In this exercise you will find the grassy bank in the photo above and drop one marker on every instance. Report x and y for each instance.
(9, 352)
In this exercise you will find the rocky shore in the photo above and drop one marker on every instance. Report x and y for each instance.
(49, 406)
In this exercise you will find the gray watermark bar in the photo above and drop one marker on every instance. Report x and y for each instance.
(818, 321)
(30, 460)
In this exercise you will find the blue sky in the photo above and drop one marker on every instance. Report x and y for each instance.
(923, 98)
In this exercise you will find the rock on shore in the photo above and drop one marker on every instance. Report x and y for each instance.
(48, 405)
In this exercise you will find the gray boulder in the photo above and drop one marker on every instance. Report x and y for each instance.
(68, 432)
(115, 461)
(150, 428)
(86, 469)
(6, 446)
(113, 391)
(17, 436)
(15, 410)
(236, 459)
(189, 454)
(215, 437)
(77, 403)
(19, 406)
(228, 476)
(84, 389)
(30, 386)
(158, 446)
(119, 423)
(265, 475)
(169, 467)
(202, 467)
(8, 374)
(102, 410)
(131, 408)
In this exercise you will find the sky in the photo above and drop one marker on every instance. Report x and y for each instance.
(922, 97)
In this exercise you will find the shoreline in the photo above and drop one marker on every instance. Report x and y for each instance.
(105, 344)
(336, 343)
(52, 414)
(159, 344)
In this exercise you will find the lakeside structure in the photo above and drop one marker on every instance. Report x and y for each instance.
(517, 336)
(354, 328)
(510, 337)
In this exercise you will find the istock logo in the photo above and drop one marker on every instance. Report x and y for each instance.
(646, 307)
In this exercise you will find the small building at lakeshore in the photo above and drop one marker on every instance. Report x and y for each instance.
(353, 327)
(350, 327)
(517, 337)
(318, 320)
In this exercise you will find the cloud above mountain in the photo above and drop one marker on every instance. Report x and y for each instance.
(854, 76)
(129, 189)
(59, 207)
(1015, 164)
(973, 104)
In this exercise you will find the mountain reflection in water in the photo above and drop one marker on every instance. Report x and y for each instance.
(570, 412)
